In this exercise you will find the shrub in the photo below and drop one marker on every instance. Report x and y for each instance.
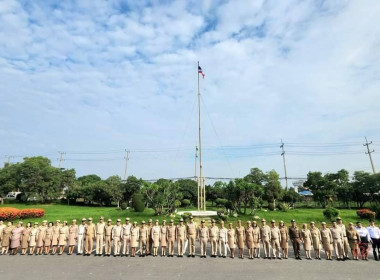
(123, 206)
(283, 207)
(376, 209)
(221, 218)
(138, 202)
(10, 213)
(186, 202)
(32, 213)
(185, 216)
(271, 206)
(221, 201)
(330, 213)
(366, 214)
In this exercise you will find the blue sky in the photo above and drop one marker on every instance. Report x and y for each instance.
(93, 78)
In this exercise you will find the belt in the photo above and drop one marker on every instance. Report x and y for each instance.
(80, 233)
(126, 234)
(99, 233)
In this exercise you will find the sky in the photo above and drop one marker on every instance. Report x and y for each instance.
(95, 78)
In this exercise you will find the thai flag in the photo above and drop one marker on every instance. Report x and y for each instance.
(201, 72)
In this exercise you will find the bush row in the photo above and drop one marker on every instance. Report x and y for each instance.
(10, 213)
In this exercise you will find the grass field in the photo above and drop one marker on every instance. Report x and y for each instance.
(65, 212)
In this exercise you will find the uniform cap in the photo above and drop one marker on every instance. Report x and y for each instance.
(181, 220)
(90, 219)
(83, 220)
(263, 220)
(36, 223)
(350, 223)
(150, 220)
(164, 221)
(101, 218)
(191, 217)
(58, 221)
(172, 221)
(312, 223)
(74, 220)
(118, 220)
(20, 222)
(135, 222)
(273, 221)
(44, 221)
(248, 222)
(127, 219)
(281, 222)
(338, 218)
(230, 223)
(293, 221)
(254, 222)
(323, 223)
(213, 221)
(65, 222)
(203, 221)
(156, 221)
(143, 222)
(109, 220)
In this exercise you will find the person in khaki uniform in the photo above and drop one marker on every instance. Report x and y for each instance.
(63, 237)
(203, 237)
(89, 237)
(108, 238)
(40, 237)
(346, 245)
(284, 239)
(143, 234)
(117, 233)
(191, 230)
(231, 239)
(2, 227)
(256, 240)
(249, 239)
(149, 241)
(126, 237)
(171, 237)
(54, 240)
(48, 238)
(327, 241)
(354, 240)
(306, 240)
(337, 236)
(25, 238)
(99, 229)
(275, 240)
(265, 238)
(316, 240)
(73, 236)
(156, 236)
(7, 233)
(222, 240)
(180, 236)
(213, 234)
(80, 239)
(163, 238)
(32, 239)
(240, 238)
(135, 237)
(295, 237)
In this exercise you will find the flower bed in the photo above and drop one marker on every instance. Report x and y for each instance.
(10, 213)
(366, 214)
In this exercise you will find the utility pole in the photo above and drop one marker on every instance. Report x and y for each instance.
(126, 164)
(60, 158)
(369, 154)
(9, 159)
(283, 158)
(195, 174)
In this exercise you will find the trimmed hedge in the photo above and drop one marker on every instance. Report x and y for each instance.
(10, 213)
(365, 214)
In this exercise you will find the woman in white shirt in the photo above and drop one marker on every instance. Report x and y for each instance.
(364, 240)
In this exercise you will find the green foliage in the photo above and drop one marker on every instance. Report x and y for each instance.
(291, 197)
(271, 206)
(123, 206)
(330, 213)
(186, 216)
(284, 207)
(366, 214)
(131, 186)
(376, 208)
(221, 201)
(189, 190)
(185, 202)
(138, 202)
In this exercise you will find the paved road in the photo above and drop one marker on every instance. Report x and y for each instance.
(80, 267)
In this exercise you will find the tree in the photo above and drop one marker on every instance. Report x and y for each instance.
(365, 187)
(290, 197)
(10, 178)
(272, 187)
(88, 179)
(320, 187)
(114, 186)
(189, 189)
(131, 186)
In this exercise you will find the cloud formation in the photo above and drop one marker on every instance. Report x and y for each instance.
(114, 75)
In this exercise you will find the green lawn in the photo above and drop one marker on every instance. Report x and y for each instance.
(64, 212)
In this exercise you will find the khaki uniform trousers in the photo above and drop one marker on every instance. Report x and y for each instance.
(346, 247)
(80, 243)
(203, 242)
(191, 239)
(266, 248)
(222, 247)
(275, 247)
(180, 245)
(143, 244)
(108, 245)
(116, 246)
(214, 245)
(126, 244)
(296, 247)
(99, 243)
(88, 244)
(171, 245)
(338, 247)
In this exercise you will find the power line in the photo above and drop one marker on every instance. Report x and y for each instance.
(369, 153)
(61, 158)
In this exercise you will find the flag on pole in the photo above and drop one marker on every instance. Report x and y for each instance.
(201, 72)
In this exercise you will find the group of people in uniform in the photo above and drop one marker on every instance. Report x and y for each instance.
(131, 239)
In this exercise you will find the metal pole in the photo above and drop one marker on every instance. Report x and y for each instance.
(126, 164)
(200, 142)
(283, 157)
(369, 153)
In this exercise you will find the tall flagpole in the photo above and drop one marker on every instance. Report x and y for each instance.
(201, 180)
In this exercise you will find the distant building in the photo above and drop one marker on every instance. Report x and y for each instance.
(298, 185)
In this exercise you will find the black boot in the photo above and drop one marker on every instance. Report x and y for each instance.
(375, 255)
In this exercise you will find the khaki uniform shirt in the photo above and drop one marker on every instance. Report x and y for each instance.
(343, 228)
(265, 233)
(180, 232)
(117, 231)
(336, 233)
(170, 232)
(275, 233)
(127, 230)
(213, 232)
(144, 231)
(90, 230)
(203, 233)
(108, 230)
(100, 228)
(191, 228)
(294, 233)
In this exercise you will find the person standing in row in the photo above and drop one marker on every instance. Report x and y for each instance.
(345, 245)
(171, 237)
(107, 237)
(40, 237)
(54, 241)
(25, 238)
(275, 240)
(143, 239)
(327, 241)
(163, 238)
(316, 240)
(33, 238)
(73, 236)
(295, 237)
(180, 237)
(191, 231)
(353, 240)
(213, 235)
(256, 240)
(63, 237)
(240, 237)
(249, 240)
(365, 239)
(89, 237)
(337, 236)
(231, 239)
(135, 231)
(222, 240)
(2, 227)
(284, 239)
(16, 238)
(126, 237)
(81, 234)
(374, 233)
(149, 241)
(117, 232)
(99, 229)
(265, 238)
(306, 240)
(156, 236)
(48, 238)
(203, 237)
